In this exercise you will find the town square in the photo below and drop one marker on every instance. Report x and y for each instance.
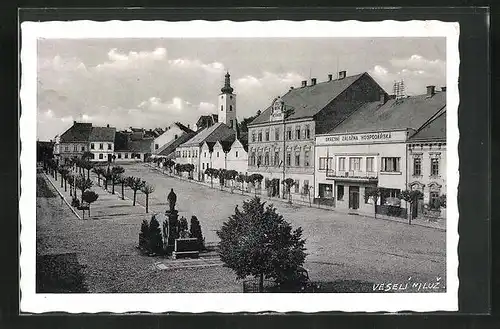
(166, 166)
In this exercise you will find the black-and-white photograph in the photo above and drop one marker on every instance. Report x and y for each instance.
(242, 166)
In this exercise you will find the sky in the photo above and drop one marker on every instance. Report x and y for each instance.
(152, 83)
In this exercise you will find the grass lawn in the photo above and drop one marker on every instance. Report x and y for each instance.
(42, 189)
(59, 273)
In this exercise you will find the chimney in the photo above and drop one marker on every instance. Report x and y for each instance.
(74, 122)
(342, 74)
(107, 126)
(188, 126)
(330, 77)
(313, 81)
(431, 90)
(443, 88)
(291, 88)
(304, 83)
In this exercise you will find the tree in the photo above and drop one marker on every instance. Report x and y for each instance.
(177, 168)
(189, 168)
(83, 184)
(147, 189)
(289, 183)
(244, 124)
(144, 236)
(122, 181)
(64, 173)
(89, 197)
(241, 178)
(259, 242)
(86, 156)
(212, 173)
(231, 176)
(106, 177)
(254, 179)
(195, 231)
(116, 172)
(155, 238)
(99, 171)
(442, 201)
(135, 184)
(222, 176)
(375, 193)
(412, 198)
(170, 164)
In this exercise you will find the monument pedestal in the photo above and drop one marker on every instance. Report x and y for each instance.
(172, 229)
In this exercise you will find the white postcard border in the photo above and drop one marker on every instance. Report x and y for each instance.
(230, 302)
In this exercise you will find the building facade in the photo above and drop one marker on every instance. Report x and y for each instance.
(427, 165)
(172, 132)
(281, 139)
(101, 143)
(370, 150)
(74, 141)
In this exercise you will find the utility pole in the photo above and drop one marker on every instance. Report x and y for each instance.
(284, 148)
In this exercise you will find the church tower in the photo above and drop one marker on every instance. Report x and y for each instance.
(227, 104)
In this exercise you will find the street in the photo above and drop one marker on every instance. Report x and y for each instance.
(339, 246)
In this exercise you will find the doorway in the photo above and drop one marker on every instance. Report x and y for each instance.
(353, 197)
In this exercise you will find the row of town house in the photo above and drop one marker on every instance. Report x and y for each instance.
(336, 139)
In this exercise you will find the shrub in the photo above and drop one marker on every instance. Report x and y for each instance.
(155, 238)
(144, 236)
(183, 224)
(196, 232)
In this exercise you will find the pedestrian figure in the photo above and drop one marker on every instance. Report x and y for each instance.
(172, 199)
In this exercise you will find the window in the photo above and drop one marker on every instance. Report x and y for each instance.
(434, 200)
(101, 146)
(390, 164)
(126, 155)
(417, 166)
(92, 156)
(83, 148)
(297, 159)
(288, 159)
(340, 192)
(119, 155)
(189, 153)
(75, 148)
(252, 159)
(217, 154)
(259, 159)
(267, 135)
(368, 198)
(308, 132)
(324, 164)
(253, 136)
(266, 159)
(231, 123)
(289, 133)
(203, 166)
(276, 158)
(175, 137)
(230, 97)
(236, 154)
(230, 108)
(222, 108)
(109, 146)
(297, 133)
(296, 185)
(101, 156)
(260, 136)
(92, 146)
(277, 134)
(66, 148)
(354, 164)
(435, 167)
(342, 164)
(306, 158)
(369, 164)
(156, 146)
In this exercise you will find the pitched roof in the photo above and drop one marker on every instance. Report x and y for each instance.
(411, 112)
(102, 134)
(183, 127)
(435, 129)
(173, 144)
(219, 131)
(78, 132)
(140, 146)
(308, 101)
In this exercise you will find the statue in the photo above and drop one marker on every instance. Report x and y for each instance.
(172, 199)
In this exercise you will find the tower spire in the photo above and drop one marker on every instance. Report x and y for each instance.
(227, 89)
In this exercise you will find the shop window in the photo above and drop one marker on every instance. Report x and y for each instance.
(325, 190)
(391, 164)
(340, 192)
(369, 164)
(368, 199)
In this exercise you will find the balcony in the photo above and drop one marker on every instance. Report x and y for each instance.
(353, 176)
